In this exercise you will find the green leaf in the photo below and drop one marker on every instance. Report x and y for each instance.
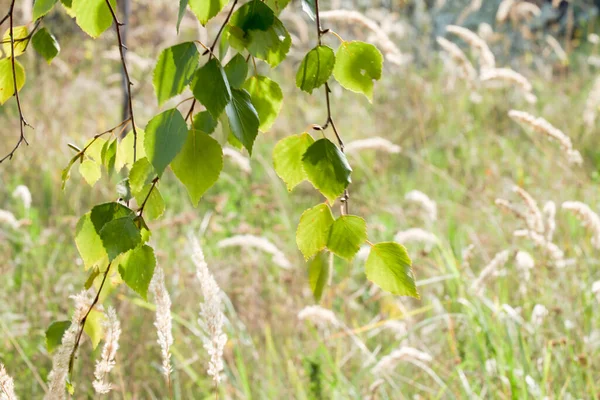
(267, 99)
(252, 15)
(277, 5)
(155, 205)
(347, 233)
(141, 174)
(315, 69)
(94, 327)
(389, 267)
(93, 16)
(236, 71)
(204, 122)
(210, 87)
(94, 149)
(106, 212)
(137, 268)
(89, 243)
(206, 9)
(119, 236)
(243, 118)
(182, 6)
(45, 44)
(174, 70)
(318, 273)
(357, 65)
(271, 45)
(54, 334)
(199, 164)
(125, 149)
(90, 280)
(7, 85)
(165, 136)
(90, 171)
(42, 7)
(20, 34)
(109, 155)
(308, 6)
(287, 158)
(327, 168)
(313, 230)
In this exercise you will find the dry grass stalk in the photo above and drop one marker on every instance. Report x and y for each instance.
(257, 242)
(459, 58)
(374, 143)
(7, 387)
(112, 331)
(388, 363)
(506, 75)
(589, 219)
(498, 262)
(486, 57)
(534, 215)
(417, 235)
(8, 218)
(429, 206)
(591, 105)
(163, 321)
(22, 193)
(504, 10)
(319, 316)
(241, 161)
(549, 212)
(540, 241)
(542, 126)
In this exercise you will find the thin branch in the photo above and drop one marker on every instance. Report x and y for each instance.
(30, 35)
(141, 209)
(99, 135)
(84, 319)
(320, 32)
(126, 72)
(22, 122)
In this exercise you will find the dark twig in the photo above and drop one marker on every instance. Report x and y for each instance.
(141, 209)
(126, 72)
(84, 319)
(320, 32)
(99, 135)
(29, 36)
(22, 122)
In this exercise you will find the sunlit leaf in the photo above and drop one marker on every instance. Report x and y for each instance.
(287, 158)
(243, 118)
(94, 327)
(90, 171)
(21, 39)
(54, 334)
(389, 267)
(347, 233)
(315, 69)
(204, 122)
(119, 236)
(211, 88)
(137, 268)
(155, 205)
(42, 7)
(318, 273)
(267, 99)
(327, 168)
(174, 70)
(313, 230)
(165, 136)
(357, 65)
(206, 9)
(93, 16)
(7, 85)
(45, 44)
(89, 243)
(236, 71)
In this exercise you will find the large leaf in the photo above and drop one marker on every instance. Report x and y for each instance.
(318, 273)
(206, 9)
(45, 44)
(42, 7)
(119, 236)
(236, 71)
(20, 34)
(137, 267)
(7, 85)
(357, 65)
(347, 233)
(267, 99)
(199, 164)
(89, 243)
(165, 136)
(287, 158)
(389, 267)
(174, 70)
(211, 88)
(315, 69)
(313, 230)
(54, 334)
(327, 168)
(243, 118)
(93, 16)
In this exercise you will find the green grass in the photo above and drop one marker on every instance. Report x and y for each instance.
(462, 154)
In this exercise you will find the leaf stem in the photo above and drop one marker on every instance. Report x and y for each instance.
(141, 209)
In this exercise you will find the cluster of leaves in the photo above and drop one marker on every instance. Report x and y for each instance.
(112, 238)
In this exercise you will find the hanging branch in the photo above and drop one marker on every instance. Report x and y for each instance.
(127, 78)
(22, 122)
(320, 32)
(210, 50)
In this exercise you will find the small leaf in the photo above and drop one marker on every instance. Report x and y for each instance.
(389, 267)
(174, 70)
(90, 280)
(109, 155)
(271, 45)
(211, 88)
(252, 15)
(199, 164)
(137, 268)
(267, 99)
(90, 171)
(54, 334)
(182, 7)
(347, 233)
(357, 65)
(277, 5)
(313, 230)
(42, 7)
(94, 149)
(119, 236)
(93, 16)
(45, 44)
(124, 156)
(141, 174)
(318, 273)
(315, 69)
(327, 168)
(20, 34)
(7, 85)
(206, 9)
(243, 118)
(287, 158)
(155, 205)
(89, 243)
(66, 173)
(94, 327)
(106, 212)
(165, 136)
(204, 122)
(236, 71)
